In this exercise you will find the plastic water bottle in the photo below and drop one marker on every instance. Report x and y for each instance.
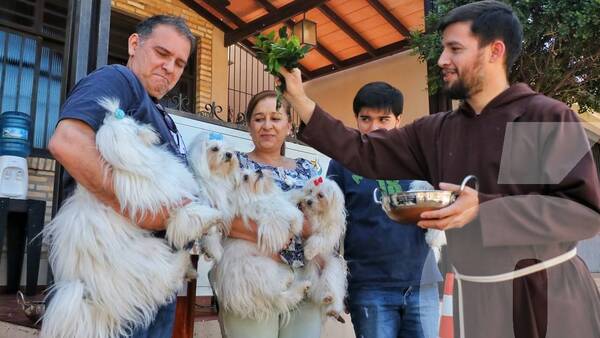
(14, 149)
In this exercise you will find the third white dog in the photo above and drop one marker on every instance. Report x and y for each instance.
(216, 168)
(322, 203)
(248, 281)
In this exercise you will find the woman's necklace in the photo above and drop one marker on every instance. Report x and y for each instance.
(277, 163)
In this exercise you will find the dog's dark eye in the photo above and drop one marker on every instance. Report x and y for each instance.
(320, 195)
(215, 148)
(310, 191)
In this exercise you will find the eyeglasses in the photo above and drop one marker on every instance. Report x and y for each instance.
(181, 149)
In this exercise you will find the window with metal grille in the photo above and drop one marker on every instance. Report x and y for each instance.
(32, 35)
(247, 77)
(183, 95)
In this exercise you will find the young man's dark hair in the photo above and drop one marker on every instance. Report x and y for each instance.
(490, 20)
(378, 95)
(145, 28)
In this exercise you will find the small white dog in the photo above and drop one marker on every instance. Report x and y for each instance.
(436, 239)
(322, 203)
(248, 282)
(110, 274)
(216, 167)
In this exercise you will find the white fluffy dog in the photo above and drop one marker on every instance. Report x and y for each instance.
(436, 239)
(248, 282)
(112, 275)
(215, 166)
(322, 203)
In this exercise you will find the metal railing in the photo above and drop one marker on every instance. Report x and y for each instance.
(31, 80)
(246, 77)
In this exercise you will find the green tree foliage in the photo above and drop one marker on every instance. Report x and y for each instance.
(561, 48)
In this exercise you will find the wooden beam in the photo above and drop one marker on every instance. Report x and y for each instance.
(319, 48)
(347, 29)
(382, 52)
(290, 23)
(293, 8)
(328, 55)
(389, 17)
(266, 4)
(249, 46)
(196, 7)
(306, 74)
(220, 7)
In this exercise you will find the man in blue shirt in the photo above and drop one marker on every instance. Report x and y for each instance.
(392, 286)
(158, 53)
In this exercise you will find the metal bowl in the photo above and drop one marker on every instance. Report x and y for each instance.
(406, 207)
(34, 310)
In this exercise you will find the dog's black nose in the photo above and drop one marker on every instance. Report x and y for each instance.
(245, 177)
(228, 155)
(309, 202)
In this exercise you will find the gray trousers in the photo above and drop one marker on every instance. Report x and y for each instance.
(305, 322)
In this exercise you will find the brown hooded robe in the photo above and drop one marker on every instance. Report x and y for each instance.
(539, 196)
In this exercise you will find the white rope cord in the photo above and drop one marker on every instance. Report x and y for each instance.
(505, 277)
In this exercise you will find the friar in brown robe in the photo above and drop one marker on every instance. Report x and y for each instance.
(539, 192)
(518, 224)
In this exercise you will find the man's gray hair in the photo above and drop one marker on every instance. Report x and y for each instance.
(145, 28)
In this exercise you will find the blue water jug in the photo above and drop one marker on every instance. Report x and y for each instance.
(14, 134)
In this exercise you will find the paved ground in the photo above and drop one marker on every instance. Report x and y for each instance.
(8, 330)
(202, 329)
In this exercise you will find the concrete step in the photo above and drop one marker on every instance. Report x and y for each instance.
(8, 330)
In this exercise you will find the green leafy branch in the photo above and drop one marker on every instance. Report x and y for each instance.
(285, 51)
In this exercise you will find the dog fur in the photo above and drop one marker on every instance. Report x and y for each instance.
(322, 203)
(248, 282)
(112, 275)
(215, 167)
